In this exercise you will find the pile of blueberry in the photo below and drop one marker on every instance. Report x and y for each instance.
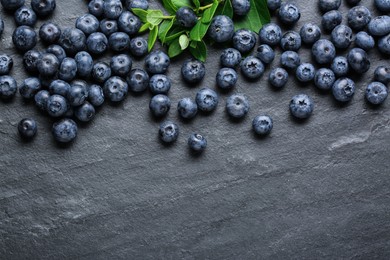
(60, 73)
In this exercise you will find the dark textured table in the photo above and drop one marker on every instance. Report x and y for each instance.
(312, 190)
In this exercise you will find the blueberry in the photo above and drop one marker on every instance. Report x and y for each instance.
(101, 71)
(301, 106)
(382, 74)
(265, 53)
(96, 95)
(270, 34)
(121, 65)
(206, 99)
(291, 41)
(84, 63)
(382, 5)
(30, 60)
(379, 26)
(49, 33)
(197, 142)
(262, 124)
(193, 71)
(244, 40)
(30, 87)
(160, 105)
(273, 5)
(85, 112)
(358, 17)
(78, 93)
(324, 79)
(58, 51)
(65, 130)
(365, 41)
(323, 51)
(331, 19)
(108, 27)
(43, 8)
(41, 99)
(328, 5)
(305, 72)
(112, 9)
(57, 105)
(384, 44)
(87, 24)
(221, 29)
(358, 60)
(187, 108)
(237, 106)
(340, 66)
(252, 67)
(226, 78)
(97, 43)
(115, 89)
(290, 60)
(59, 87)
(353, 2)
(27, 128)
(168, 132)
(138, 47)
(157, 62)
(289, 13)
(186, 17)
(278, 77)
(376, 93)
(241, 7)
(12, 5)
(310, 33)
(230, 58)
(138, 80)
(342, 36)
(142, 4)
(119, 42)
(6, 64)
(159, 84)
(68, 69)
(72, 40)
(343, 89)
(129, 23)
(25, 16)
(48, 65)
(95, 7)
(24, 38)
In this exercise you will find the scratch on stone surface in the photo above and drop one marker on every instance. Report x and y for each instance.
(350, 139)
(379, 127)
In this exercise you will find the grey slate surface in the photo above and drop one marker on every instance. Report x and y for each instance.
(312, 190)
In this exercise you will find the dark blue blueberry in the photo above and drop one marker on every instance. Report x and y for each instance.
(87, 24)
(382, 5)
(341, 36)
(168, 132)
(138, 80)
(328, 5)
(301, 106)
(97, 43)
(376, 93)
(340, 66)
(291, 41)
(384, 44)
(278, 77)
(48, 65)
(305, 72)
(30, 60)
(358, 60)
(241, 7)
(119, 42)
(12, 5)
(244, 40)
(289, 13)
(262, 125)
(159, 84)
(27, 128)
(324, 79)
(49, 33)
(85, 112)
(382, 74)
(41, 99)
(72, 40)
(331, 19)
(353, 2)
(96, 95)
(95, 7)
(141, 4)
(230, 58)
(323, 51)
(108, 27)
(252, 67)
(78, 93)
(221, 29)
(273, 5)
(57, 106)
(121, 65)
(343, 89)
(290, 60)
(43, 8)
(358, 17)
(193, 71)
(59, 87)
(310, 33)
(84, 63)
(6, 64)
(365, 41)
(115, 89)
(112, 9)
(237, 106)
(30, 87)
(379, 26)
(129, 23)
(187, 108)
(58, 51)
(207, 100)
(65, 130)
(25, 16)
(197, 143)
(68, 69)
(265, 53)
(186, 17)
(101, 72)
(160, 105)
(270, 34)
(138, 47)
(24, 38)
(157, 62)
(226, 78)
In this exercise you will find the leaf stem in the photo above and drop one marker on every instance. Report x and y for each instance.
(202, 8)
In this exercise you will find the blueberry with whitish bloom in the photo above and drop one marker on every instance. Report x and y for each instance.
(43, 8)
(41, 99)
(108, 27)
(138, 47)
(301, 106)
(119, 42)
(78, 93)
(270, 34)
(85, 112)
(343, 89)
(241, 7)
(323, 51)
(331, 19)
(230, 58)
(252, 67)
(365, 41)
(382, 5)
(168, 132)
(376, 93)
(84, 64)
(186, 17)
(382, 74)
(221, 29)
(342, 36)
(65, 130)
(324, 79)
(72, 40)
(30, 60)
(112, 9)
(328, 5)
(115, 89)
(142, 4)
(24, 38)
(58, 51)
(87, 23)
(273, 5)
(340, 66)
(129, 23)
(384, 44)
(95, 7)
(97, 43)
(358, 60)
(157, 62)
(57, 106)
(237, 106)
(379, 26)
(159, 84)
(27, 128)
(291, 41)
(25, 16)
(68, 69)
(265, 53)
(289, 13)
(6, 64)
(138, 80)
(49, 33)
(278, 77)
(262, 125)
(197, 142)
(310, 33)
(290, 60)
(206, 99)
(226, 78)
(30, 87)
(101, 71)
(160, 105)
(193, 71)
(95, 95)
(48, 65)
(358, 17)
(305, 72)
(244, 40)
(59, 87)
(121, 65)
(187, 108)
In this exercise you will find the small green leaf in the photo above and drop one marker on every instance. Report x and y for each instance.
(193, 44)
(140, 13)
(174, 49)
(144, 27)
(209, 13)
(164, 29)
(184, 41)
(174, 34)
(152, 37)
(169, 6)
(196, 3)
(155, 17)
(200, 51)
(225, 9)
(181, 3)
(199, 31)
(258, 16)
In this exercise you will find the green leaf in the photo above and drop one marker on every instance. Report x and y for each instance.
(199, 51)
(209, 13)
(164, 29)
(225, 9)
(154, 17)
(196, 3)
(169, 6)
(144, 27)
(199, 31)
(152, 37)
(174, 34)
(258, 16)
(181, 3)
(140, 13)
(174, 49)
(184, 41)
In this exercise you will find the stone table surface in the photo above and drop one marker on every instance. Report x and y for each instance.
(311, 190)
